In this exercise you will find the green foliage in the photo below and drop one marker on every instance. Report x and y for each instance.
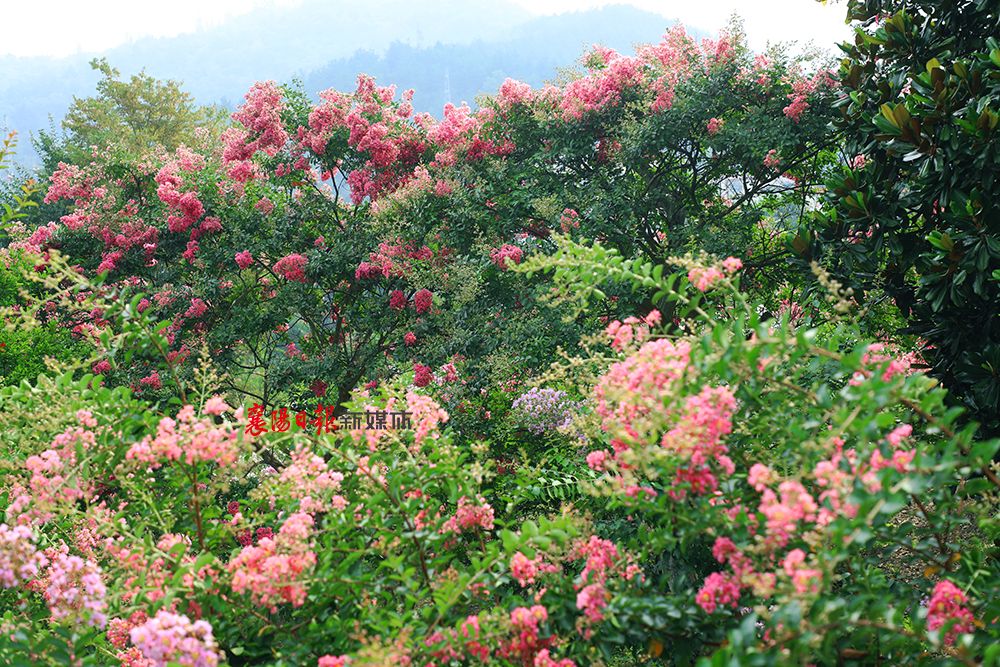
(17, 201)
(23, 353)
(138, 114)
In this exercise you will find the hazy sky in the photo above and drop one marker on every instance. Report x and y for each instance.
(62, 27)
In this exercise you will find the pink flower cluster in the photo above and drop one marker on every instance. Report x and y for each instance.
(790, 512)
(801, 90)
(292, 267)
(623, 334)
(186, 208)
(601, 88)
(309, 480)
(74, 590)
(397, 300)
(513, 93)
(333, 661)
(197, 308)
(804, 579)
(52, 482)
(426, 414)
(526, 646)
(119, 629)
(785, 510)
(900, 459)
(718, 589)
(152, 381)
(392, 259)
(373, 125)
(264, 205)
(948, 606)
(422, 375)
(597, 460)
(70, 181)
(602, 560)
(544, 659)
(189, 439)
(526, 570)
(569, 219)
(704, 278)
(272, 571)
(891, 362)
(172, 639)
(20, 562)
(469, 516)
(697, 441)
(638, 385)
(501, 255)
(244, 259)
(263, 130)
(423, 300)
(97, 208)
(593, 595)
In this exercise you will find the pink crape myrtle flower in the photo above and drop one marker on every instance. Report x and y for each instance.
(704, 279)
(499, 256)
(172, 639)
(470, 516)
(718, 589)
(216, 405)
(732, 264)
(189, 438)
(20, 562)
(75, 590)
(244, 259)
(422, 301)
(292, 267)
(333, 661)
(273, 570)
(397, 299)
(948, 605)
(524, 569)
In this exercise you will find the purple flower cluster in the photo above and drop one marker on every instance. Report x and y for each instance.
(541, 410)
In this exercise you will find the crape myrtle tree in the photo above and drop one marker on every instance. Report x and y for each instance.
(315, 246)
(915, 213)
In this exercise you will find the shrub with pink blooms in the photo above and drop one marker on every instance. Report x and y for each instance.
(180, 538)
(636, 432)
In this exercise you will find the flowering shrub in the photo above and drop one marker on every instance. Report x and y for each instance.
(182, 539)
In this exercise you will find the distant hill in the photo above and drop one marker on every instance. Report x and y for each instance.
(446, 50)
(459, 72)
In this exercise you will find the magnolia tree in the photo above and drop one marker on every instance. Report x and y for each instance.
(316, 246)
(913, 215)
(850, 533)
